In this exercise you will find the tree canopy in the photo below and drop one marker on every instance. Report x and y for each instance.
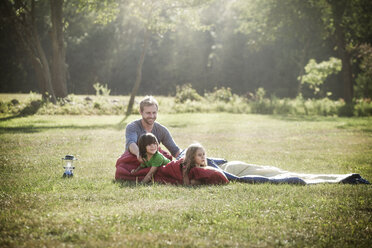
(241, 44)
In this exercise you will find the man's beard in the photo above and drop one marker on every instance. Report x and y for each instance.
(149, 121)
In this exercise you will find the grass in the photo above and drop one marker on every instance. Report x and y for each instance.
(40, 208)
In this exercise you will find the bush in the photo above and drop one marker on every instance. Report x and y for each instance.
(363, 107)
(31, 108)
(260, 104)
(186, 92)
(223, 94)
(256, 104)
(346, 110)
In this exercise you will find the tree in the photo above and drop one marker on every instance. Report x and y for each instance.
(349, 27)
(316, 73)
(294, 25)
(158, 17)
(344, 24)
(22, 15)
(59, 72)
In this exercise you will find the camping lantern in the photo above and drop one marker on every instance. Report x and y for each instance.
(68, 165)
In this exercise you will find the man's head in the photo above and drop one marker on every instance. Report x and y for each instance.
(148, 101)
(149, 109)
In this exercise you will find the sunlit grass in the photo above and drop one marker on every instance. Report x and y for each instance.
(40, 208)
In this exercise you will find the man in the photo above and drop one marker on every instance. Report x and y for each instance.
(148, 110)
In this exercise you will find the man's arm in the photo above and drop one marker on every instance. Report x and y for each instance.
(133, 148)
(178, 153)
(131, 137)
(168, 142)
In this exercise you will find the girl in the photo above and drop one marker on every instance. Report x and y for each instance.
(148, 150)
(195, 157)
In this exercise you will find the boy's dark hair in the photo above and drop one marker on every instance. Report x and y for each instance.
(145, 140)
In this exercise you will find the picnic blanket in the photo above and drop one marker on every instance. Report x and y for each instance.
(252, 173)
(168, 174)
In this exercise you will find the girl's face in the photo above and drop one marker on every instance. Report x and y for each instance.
(152, 148)
(200, 157)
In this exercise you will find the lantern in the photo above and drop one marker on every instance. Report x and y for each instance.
(68, 165)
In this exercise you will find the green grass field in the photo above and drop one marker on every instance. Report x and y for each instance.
(41, 209)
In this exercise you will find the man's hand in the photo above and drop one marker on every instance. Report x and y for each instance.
(139, 158)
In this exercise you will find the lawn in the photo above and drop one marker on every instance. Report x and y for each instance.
(40, 208)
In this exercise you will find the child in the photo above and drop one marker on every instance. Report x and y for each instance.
(148, 150)
(195, 157)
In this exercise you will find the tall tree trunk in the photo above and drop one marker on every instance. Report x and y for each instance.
(338, 9)
(347, 76)
(301, 63)
(42, 70)
(139, 72)
(59, 52)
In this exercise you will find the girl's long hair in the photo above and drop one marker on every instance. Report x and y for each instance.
(189, 161)
(145, 140)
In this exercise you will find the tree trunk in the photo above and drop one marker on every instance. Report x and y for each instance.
(338, 9)
(26, 31)
(139, 73)
(301, 62)
(347, 76)
(59, 53)
(41, 67)
(346, 71)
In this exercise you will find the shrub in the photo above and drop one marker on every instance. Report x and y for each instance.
(260, 104)
(31, 108)
(3, 107)
(346, 109)
(186, 92)
(223, 94)
(363, 107)
(101, 90)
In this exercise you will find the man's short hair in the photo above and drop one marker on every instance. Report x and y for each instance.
(148, 101)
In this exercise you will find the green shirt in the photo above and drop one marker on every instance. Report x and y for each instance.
(156, 160)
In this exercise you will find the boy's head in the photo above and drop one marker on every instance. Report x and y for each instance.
(144, 141)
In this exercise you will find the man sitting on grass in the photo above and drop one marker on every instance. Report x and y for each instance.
(148, 109)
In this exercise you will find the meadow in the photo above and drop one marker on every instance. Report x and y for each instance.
(39, 208)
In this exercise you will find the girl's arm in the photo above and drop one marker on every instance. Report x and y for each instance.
(135, 170)
(149, 175)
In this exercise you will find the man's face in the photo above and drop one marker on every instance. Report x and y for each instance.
(149, 114)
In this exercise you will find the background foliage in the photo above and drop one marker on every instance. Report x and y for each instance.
(247, 45)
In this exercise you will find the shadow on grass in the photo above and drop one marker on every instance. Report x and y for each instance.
(10, 117)
(38, 129)
(133, 184)
(28, 128)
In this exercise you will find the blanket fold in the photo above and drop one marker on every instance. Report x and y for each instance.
(251, 173)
